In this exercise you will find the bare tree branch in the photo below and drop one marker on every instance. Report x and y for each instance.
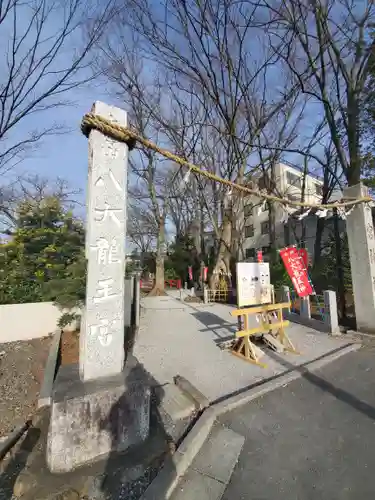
(46, 52)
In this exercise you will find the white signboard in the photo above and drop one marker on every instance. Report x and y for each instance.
(253, 283)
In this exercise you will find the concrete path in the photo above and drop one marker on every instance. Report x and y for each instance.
(178, 338)
(313, 439)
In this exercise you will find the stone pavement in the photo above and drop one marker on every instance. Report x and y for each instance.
(179, 338)
(212, 467)
(310, 440)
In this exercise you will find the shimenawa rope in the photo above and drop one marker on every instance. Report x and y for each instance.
(131, 138)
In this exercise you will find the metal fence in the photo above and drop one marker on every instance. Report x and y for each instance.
(217, 296)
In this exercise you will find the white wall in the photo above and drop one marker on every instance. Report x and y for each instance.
(27, 321)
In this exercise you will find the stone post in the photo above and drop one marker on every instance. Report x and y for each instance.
(286, 296)
(330, 312)
(205, 295)
(100, 407)
(128, 302)
(305, 308)
(361, 241)
(137, 300)
(102, 329)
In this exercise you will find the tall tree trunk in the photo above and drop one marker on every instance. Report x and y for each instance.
(340, 269)
(271, 187)
(303, 234)
(272, 231)
(354, 170)
(320, 224)
(159, 286)
(222, 263)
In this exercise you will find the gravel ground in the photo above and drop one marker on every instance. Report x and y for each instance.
(21, 371)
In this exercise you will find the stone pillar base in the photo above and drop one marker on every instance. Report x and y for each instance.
(91, 420)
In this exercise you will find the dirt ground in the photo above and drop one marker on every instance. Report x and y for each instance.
(69, 347)
(21, 374)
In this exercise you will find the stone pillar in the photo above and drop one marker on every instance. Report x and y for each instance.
(305, 308)
(330, 312)
(128, 301)
(100, 407)
(286, 296)
(102, 329)
(137, 300)
(361, 240)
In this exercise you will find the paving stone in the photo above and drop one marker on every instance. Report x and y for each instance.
(175, 403)
(196, 486)
(219, 454)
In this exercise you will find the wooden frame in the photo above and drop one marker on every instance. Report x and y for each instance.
(244, 348)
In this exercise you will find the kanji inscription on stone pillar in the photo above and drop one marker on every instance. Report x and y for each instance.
(102, 328)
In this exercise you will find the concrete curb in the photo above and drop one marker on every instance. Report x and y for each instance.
(355, 334)
(270, 385)
(45, 396)
(165, 482)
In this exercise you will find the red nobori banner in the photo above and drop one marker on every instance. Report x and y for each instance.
(190, 273)
(304, 256)
(296, 269)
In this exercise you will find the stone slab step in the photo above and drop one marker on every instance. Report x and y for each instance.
(192, 392)
(174, 402)
(273, 343)
(211, 469)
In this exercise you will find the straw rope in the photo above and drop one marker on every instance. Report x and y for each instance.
(131, 138)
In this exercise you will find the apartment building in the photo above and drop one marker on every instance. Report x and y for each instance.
(289, 183)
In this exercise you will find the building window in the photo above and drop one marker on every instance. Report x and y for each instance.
(250, 253)
(249, 231)
(318, 189)
(294, 197)
(248, 209)
(264, 227)
(264, 182)
(293, 179)
(265, 250)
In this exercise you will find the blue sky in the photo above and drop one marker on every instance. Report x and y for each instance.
(66, 155)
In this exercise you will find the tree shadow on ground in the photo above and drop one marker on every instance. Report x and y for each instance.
(214, 323)
(324, 385)
(129, 473)
(15, 464)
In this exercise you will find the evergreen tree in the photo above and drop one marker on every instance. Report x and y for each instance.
(45, 248)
